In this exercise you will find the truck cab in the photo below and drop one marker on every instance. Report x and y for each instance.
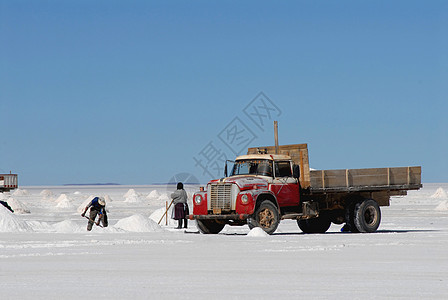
(276, 170)
(259, 189)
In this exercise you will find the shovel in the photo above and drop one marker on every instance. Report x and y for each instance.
(93, 221)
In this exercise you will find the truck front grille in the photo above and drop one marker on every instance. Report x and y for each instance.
(220, 196)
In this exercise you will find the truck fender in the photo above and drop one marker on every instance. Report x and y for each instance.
(265, 195)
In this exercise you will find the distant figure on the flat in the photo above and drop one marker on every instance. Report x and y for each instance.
(97, 207)
(181, 210)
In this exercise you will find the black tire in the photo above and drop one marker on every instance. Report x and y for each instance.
(209, 226)
(315, 225)
(367, 215)
(266, 217)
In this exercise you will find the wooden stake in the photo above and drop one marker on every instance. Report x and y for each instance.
(276, 136)
(346, 177)
(166, 213)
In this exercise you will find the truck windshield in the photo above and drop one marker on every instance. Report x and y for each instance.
(252, 167)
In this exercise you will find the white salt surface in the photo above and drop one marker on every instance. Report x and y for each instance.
(68, 226)
(48, 254)
(443, 206)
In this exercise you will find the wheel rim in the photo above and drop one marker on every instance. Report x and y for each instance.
(370, 216)
(266, 217)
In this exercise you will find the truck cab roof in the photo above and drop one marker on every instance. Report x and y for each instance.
(264, 156)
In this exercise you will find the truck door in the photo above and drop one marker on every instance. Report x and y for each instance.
(284, 185)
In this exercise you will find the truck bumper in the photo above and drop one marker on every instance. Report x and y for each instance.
(219, 217)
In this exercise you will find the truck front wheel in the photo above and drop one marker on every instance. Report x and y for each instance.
(315, 225)
(266, 217)
(367, 215)
(209, 226)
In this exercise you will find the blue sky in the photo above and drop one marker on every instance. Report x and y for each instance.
(136, 92)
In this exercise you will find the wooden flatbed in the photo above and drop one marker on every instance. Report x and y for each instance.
(332, 187)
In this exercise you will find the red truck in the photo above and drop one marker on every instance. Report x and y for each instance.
(271, 184)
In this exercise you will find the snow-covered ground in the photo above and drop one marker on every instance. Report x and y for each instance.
(46, 252)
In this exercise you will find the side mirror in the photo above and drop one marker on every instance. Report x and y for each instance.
(225, 170)
(296, 171)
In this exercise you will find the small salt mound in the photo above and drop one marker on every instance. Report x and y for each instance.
(11, 223)
(130, 193)
(131, 196)
(159, 213)
(164, 197)
(17, 206)
(257, 232)
(138, 223)
(443, 206)
(62, 197)
(68, 226)
(20, 192)
(153, 195)
(439, 194)
(108, 199)
(132, 199)
(46, 194)
(65, 203)
(77, 193)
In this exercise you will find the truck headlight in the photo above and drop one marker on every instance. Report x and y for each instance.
(244, 199)
(198, 199)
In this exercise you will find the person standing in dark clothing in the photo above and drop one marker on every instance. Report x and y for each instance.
(97, 207)
(180, 205)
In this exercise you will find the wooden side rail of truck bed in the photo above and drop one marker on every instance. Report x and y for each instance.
(392, 179)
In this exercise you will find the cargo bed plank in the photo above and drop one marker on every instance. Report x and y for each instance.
(398, 178)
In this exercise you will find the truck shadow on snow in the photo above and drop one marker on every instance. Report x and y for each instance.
(344, 233)
(329, 233)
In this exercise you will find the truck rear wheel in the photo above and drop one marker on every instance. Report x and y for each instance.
(266, 217)
(209, 226)
(367, 215)
(315, 225)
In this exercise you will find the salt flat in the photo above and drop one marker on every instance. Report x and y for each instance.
(46, 252)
